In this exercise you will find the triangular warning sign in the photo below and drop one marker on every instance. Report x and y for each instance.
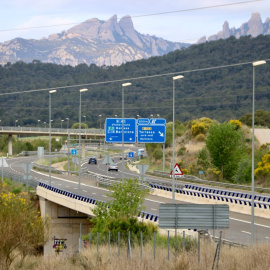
(177, 170)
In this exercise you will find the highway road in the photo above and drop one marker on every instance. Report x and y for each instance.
(240, 226)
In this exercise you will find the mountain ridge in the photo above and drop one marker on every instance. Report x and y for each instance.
(91, 42)
(253, 27)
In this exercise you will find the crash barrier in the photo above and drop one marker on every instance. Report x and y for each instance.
(46, 168)
(236, 194)
(213, 196)
(144, 215)
(193, 178)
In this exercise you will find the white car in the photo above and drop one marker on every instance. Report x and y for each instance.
(113, 167)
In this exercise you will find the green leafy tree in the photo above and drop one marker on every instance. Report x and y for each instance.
(226, 146)
(22, 229)
(120, 213)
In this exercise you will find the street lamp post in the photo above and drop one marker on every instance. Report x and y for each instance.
(123, 109)
(173, 160)
(254, 64)
(16, 122)
(38, 123)
(80, 120)
(67, 123)
(61, 129)
(50, 135)
(100, 122)
(85, 126)
(44, 124)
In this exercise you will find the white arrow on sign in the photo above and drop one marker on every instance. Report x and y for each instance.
(161, 134)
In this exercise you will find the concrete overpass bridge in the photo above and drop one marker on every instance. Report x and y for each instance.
(56, 132)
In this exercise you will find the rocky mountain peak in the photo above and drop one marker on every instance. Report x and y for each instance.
(253, 27)
(91, 42)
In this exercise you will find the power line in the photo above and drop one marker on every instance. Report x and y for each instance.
(136, 16)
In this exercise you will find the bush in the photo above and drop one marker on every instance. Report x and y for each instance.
(21, 227)
(236, 123)
(200, 138)
(200, 126)
(157, 154)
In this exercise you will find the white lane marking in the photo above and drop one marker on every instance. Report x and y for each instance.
(154, 209)
(250, 222)
(94, 193)
(85, 190)
(266, 237)
(104, 196)
(246, 232)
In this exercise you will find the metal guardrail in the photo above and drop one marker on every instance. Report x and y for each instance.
(215, 191)
(60, 130)
(214, 197)
(199, 180)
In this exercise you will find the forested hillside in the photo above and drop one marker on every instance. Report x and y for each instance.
(208, 89)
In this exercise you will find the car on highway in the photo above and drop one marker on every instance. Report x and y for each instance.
(125, 157)
(92, 160)
(113, 167)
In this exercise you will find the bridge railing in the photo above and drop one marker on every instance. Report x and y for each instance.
(60, 130)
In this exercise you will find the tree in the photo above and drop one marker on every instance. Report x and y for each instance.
(120, 213)
(22, 229)
(225, 146)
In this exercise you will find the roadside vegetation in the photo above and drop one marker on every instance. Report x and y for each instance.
(22, 230)
(221, 151)
(233, 258)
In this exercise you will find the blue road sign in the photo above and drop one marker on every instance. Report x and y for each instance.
(151, 130)
(73, 152)
(131, 154)
(114, 130)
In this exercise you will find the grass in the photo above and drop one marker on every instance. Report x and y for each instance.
(232, 258)
(46, 162)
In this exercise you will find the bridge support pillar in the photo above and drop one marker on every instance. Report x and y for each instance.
(65, 227)
(10, 144)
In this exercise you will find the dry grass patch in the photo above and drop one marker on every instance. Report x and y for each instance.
(231, 258)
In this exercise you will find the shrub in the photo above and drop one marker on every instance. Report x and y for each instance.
(263, 166)
(200, 126)
(236, 123)
(200, 138)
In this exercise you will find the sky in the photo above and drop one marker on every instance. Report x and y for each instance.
(185, 21)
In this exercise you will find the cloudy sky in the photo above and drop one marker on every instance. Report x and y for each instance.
(185, 21)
